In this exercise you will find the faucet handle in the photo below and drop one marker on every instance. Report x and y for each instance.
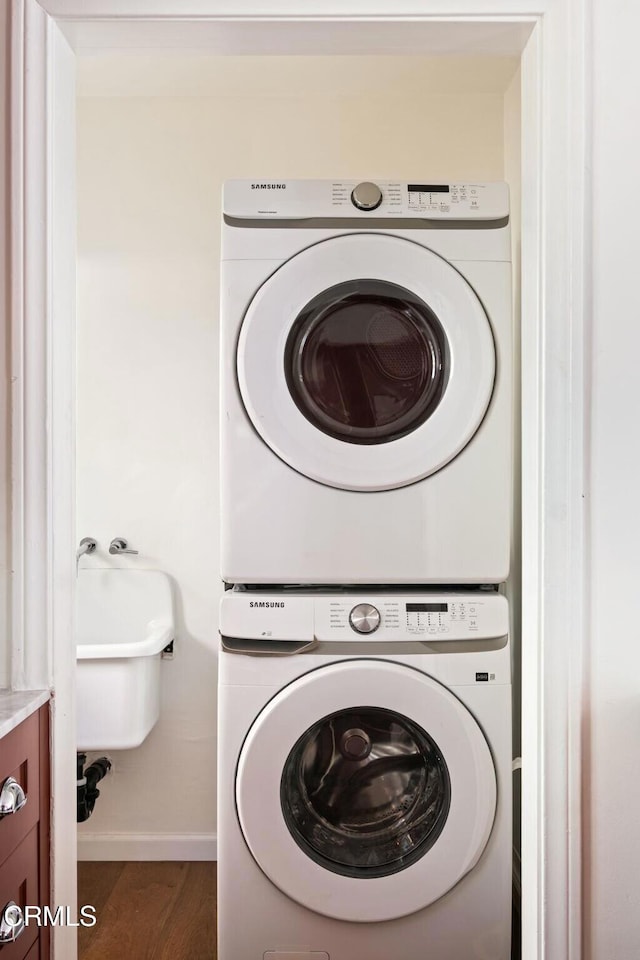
(120, 545)
(87, 545)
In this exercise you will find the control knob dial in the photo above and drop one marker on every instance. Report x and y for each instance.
(364, 618)
(366, 196)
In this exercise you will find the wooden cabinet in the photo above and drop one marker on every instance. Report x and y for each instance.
(24, 835)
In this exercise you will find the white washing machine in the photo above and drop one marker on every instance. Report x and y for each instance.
(366, 382)
(364, 779)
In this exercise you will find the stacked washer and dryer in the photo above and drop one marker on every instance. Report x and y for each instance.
(364, 774)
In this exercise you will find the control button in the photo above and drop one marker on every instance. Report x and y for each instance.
(366, 196)
(364, 618)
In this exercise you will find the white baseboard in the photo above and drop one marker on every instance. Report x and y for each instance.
(147, 846)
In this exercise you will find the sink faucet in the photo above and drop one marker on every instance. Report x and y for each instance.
(87, 545)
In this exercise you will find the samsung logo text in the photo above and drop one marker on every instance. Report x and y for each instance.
(268, 186)
(266, 603)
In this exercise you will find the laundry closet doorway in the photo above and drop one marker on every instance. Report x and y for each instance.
(552, 268)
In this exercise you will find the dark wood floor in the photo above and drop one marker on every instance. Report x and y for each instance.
(148, 911)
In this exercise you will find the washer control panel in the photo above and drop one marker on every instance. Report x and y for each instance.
(336, 199)
(364, 618)
(437, 618)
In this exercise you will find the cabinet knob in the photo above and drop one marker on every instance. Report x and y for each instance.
(12, 797)
(11, 922)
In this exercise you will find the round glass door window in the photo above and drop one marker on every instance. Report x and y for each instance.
(365, 792)
(357, 812)
(365, 361)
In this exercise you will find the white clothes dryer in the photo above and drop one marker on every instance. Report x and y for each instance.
(366, 383)
(364, 780)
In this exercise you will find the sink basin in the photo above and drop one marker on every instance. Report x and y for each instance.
(124, 619)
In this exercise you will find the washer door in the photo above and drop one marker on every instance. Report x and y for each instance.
(365, 790)
(366, 362)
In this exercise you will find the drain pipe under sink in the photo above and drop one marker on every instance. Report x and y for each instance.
(87, 779)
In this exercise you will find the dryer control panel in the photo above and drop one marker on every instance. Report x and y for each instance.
(348, 616)
(364, 199)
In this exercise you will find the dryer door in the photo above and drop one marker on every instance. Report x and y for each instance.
(365, 790)
(366, 362)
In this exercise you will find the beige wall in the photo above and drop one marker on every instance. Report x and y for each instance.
(150, 170)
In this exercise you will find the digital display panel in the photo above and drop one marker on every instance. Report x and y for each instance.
(427, 607)
(428, 188)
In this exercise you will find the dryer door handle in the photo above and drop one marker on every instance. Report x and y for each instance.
(267, 648)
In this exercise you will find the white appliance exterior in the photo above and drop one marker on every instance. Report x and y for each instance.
(427, 665)
(300, 506)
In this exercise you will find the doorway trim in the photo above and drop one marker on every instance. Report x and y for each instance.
(555, 345)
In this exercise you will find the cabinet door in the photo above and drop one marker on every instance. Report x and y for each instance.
(35, 953)
(24, 835)
(19, 882)
(19, 758)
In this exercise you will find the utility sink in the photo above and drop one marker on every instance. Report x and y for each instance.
(124, 619)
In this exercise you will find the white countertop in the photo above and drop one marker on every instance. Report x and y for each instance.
(17, 705)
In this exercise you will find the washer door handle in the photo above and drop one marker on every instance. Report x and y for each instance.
(267, 648)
